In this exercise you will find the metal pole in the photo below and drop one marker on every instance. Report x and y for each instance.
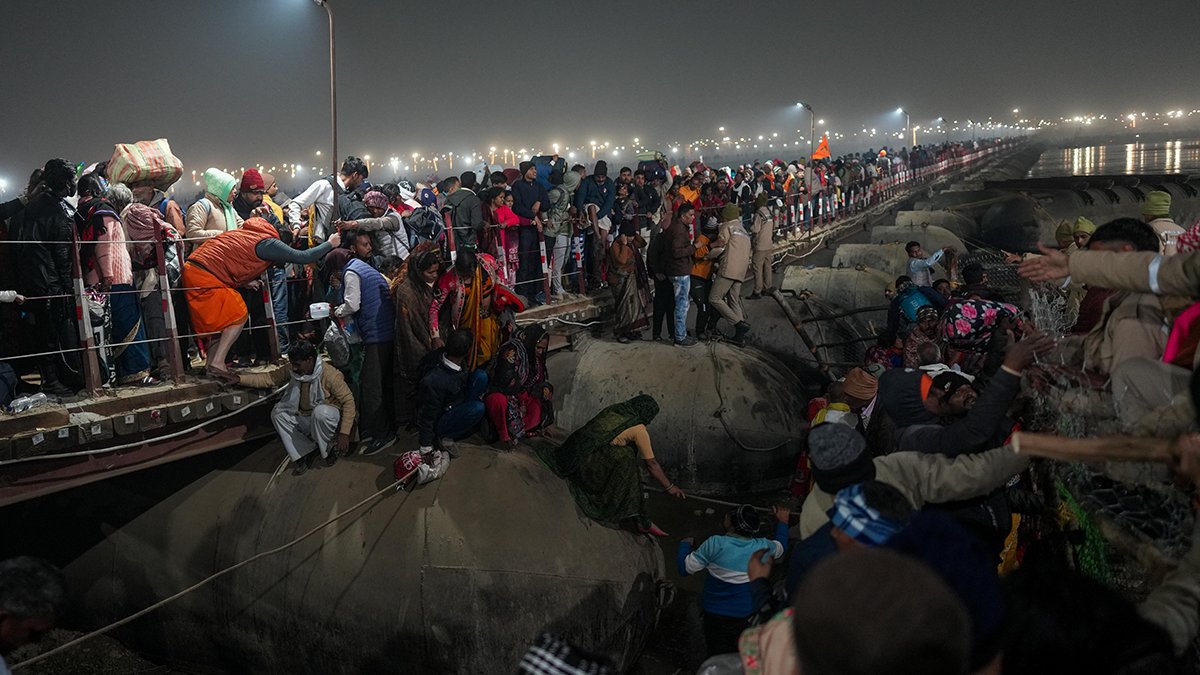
(332, 87)
(173, 348)
(90, 360)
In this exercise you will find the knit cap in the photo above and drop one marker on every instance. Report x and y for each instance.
(1083, 225)
(838, 455)
(730, 212)
(1157, 204)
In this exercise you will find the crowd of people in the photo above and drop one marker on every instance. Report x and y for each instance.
(911, 494)
(912, 556)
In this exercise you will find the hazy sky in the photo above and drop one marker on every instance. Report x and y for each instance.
(235, 82)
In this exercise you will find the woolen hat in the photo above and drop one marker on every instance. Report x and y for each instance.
(876, 611)
(731, 212)
(1157, 204)
(1083, 225)
(268, 180)
(252, 180)
(627, 228)
(601, 168)
(525, 166)
(838, 455)
(1064, 231)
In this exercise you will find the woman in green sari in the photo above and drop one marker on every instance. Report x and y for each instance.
(603, 459)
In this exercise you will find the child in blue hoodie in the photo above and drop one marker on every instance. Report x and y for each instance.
(729, 600)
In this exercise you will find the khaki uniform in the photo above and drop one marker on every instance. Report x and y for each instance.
(926, 479)
(726, 293)
(762, 228)
(1151, 397)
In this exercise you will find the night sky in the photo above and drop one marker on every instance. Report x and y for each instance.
(235, 82)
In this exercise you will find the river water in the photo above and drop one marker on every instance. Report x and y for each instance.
(1176, 156)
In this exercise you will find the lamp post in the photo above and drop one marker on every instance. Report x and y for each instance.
(812, 129)
(908, 124)
(332, 87)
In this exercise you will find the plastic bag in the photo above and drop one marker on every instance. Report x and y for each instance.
(337, 346)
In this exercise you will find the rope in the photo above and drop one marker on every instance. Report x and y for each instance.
(137, 615)
(720, 414)
(708, 500)
(174, 434)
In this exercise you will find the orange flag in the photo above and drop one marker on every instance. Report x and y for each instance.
(822, 149)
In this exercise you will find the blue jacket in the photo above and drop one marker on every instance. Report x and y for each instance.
(591, 192)
(376, 316)
(525, 195)
(727, 590)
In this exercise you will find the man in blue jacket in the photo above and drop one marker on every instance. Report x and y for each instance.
(729, 601)
(530, 200)
(594, 201)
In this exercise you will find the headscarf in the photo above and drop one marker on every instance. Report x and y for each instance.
(142, 224)
(602, 429)
(1189, 241)
(335, 261)
(1083, 225)
(291, 398)
(375, 200)
(926, 310)
(853, 515)
(218, 185)
(969, 325)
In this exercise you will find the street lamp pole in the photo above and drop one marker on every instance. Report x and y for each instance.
(332, 87)
(812, 129)
(908, 125)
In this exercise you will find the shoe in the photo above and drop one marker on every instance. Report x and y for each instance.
(331, 459)
(299, 467)
(656, 338)
(754, 296)
(740, 331)
(636, 337)
(702, 336)
(688, 341)
(450, 447)
(624, 339)
(375, 446)
(56, 388)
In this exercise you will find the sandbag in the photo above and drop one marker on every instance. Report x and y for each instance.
(145, 161)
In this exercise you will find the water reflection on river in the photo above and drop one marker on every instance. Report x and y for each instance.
(1178, 156)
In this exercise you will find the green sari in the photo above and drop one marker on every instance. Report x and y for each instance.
(605, 479)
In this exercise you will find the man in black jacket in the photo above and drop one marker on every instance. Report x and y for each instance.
(45, 269)
(530, 201)
(451, 398)
(952, 419)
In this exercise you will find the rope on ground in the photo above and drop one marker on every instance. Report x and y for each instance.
(174, 434)
(214, 577)
(720, 414)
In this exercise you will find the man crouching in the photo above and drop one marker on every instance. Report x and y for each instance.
(316, 409)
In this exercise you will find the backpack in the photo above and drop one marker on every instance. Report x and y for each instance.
(424, 224)
(654, 168)
(546, 164)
